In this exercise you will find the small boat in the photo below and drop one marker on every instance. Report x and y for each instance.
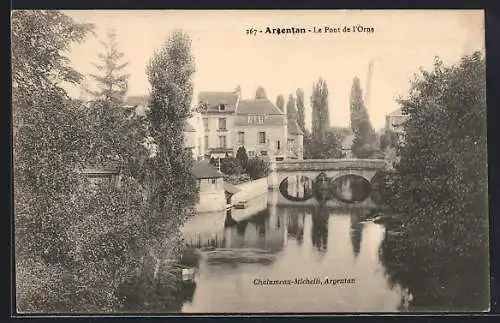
(240, 205)
(394, 233)
(188, 274)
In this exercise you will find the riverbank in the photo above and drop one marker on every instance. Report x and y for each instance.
(250, 190)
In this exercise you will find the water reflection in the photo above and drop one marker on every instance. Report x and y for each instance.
(356, 233)
(288, 243)
(319, 232)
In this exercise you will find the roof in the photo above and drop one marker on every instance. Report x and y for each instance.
(213, 99)
(203, 169)
(230, 188)
(188, 127)
(293, 127)
(257, 106)
(398, 112)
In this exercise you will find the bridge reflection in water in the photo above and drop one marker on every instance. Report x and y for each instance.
(289, 242)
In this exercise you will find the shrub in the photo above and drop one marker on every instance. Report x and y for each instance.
(257, 168)
(230, 166)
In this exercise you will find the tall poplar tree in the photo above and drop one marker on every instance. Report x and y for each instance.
(280, 102)
(291, 110)
(173, 190)
(320, 113)
(301, 110)
(364, 134)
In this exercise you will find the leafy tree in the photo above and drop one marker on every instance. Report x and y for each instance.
(173, 189)
(440, 190)
(360, 122)
(320, 113)
(46, 152)
(242, 156)
(231, 166)
(257, 168)
(64, 261)
(301, 110)
(322, 143)
(114, 134)
(260, 93)
(280, 102)
(112, 83)
(291, 110)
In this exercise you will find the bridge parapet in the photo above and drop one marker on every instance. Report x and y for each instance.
(329, 164)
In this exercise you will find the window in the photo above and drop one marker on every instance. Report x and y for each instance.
(278, 145)
(263, 152)
(241, 138)
(222, 141)
(291, 144)
(251, 153)
(206, 142)
(205, 124)
(262, 137)
(222, 107)
(213, 180)
(256, 119)
(222, 123)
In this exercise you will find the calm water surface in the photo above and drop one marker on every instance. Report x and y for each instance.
(284, 243)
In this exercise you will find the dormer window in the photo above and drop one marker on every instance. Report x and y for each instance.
(222, 107)
(256, 119)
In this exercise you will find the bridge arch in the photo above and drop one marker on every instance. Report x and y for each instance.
(361, 171)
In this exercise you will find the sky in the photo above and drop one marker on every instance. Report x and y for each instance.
(225, 56)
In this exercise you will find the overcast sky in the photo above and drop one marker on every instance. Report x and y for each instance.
(226, 57)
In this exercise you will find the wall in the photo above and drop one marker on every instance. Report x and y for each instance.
(273, 134)
(213, 127)
(212, 197)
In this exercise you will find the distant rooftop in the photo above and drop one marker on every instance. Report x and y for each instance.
(214, 99)
(202, 169)
(257, 106)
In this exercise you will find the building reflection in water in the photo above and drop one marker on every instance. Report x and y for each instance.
(295, 225)
(256, 246)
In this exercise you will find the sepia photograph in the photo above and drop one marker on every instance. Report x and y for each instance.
(245, 162)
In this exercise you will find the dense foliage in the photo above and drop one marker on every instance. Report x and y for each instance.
(231, 166)
(320, 110)
(322, 148)
(322, 143)
(364, 134)
(76, 243)
(242, 156)
(257, 168)
(291, 109)
(172, 186)
(440, 191)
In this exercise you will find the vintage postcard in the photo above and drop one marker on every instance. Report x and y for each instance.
(239, 161)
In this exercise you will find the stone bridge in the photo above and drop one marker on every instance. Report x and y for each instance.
(339, 182)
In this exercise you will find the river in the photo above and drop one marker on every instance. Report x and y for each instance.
(270, 258)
